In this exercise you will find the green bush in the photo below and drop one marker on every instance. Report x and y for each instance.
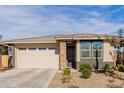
(86, 70)
(66, 75)
(107, 69)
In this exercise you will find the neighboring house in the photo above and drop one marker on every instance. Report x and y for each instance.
(60, 51)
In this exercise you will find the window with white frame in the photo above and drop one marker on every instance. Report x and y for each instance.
(52, 48)
(85, 49)
(32, 48)
(91, 49)
(97, 49)
(22, 48)
(42, 48)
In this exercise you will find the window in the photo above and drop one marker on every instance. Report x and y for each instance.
(97, 49)
(85, 49)
(41, 48)
(31, 48)
(91, 49)
(22, 48)
(52, 48)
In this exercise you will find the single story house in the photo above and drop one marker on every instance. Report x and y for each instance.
(60, 51)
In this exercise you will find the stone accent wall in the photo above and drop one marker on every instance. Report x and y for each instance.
(63, 59)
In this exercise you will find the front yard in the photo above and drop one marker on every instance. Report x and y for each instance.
(99, 80)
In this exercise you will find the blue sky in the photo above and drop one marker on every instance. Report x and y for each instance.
(32, 21)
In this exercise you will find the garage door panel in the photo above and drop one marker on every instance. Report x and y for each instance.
(37, 59)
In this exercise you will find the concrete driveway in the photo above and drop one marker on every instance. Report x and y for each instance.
(26, 78)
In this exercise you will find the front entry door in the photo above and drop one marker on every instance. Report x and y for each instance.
(71, 56)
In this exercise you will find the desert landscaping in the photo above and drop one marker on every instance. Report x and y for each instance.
(96, 80)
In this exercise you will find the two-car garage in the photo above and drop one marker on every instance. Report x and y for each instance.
(37, 56)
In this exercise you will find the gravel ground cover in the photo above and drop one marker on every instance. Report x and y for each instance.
(99, 80)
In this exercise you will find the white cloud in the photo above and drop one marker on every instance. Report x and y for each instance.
(26, 21)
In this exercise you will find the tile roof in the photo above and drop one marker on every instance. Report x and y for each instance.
(53, 38)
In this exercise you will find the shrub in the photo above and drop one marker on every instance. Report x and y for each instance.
(86, 70)
(108, 69)
(120, 67)
(66, 75)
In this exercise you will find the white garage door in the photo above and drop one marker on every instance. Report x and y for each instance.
(37, 58)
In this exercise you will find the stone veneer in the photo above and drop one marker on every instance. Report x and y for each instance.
(63, 59)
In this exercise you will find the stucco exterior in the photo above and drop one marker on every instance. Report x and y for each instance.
(77, 51)
(56, 59)
(106, 57)
(37, 45)
(107, 48)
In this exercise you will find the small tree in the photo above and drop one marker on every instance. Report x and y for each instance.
(3, 48)
(118, 43)
(118, 54)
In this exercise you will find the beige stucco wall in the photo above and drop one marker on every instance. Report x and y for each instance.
(106, 51)
(54, 45)
(15, 56)
(50, 59)
(37, 58)
(107, 48)
(77, 51)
